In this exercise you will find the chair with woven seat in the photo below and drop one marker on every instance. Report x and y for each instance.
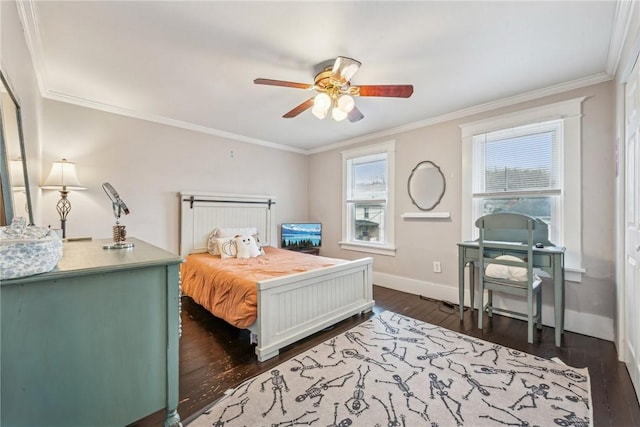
(501, 272)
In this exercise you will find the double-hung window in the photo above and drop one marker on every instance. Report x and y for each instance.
(368, 199)
(527, 162)
(519, 170)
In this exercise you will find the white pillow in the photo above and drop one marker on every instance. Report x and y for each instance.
(227, 247)
(212, 244)
(256, 237)
(246, 247)
(508, 272)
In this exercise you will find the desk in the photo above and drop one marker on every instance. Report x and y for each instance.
(549, 259)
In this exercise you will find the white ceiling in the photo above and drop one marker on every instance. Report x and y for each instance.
(192, 64)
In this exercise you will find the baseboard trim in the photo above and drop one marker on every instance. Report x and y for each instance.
(582, 323)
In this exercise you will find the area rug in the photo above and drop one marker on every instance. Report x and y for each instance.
(393, 370)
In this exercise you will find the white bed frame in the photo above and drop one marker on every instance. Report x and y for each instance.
(289, 308)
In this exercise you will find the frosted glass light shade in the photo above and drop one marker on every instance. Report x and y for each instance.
(319, 113)
(342, 105)
(346, 103)
(321, 104)
(63, 176)
(322, 101)
(338, 114)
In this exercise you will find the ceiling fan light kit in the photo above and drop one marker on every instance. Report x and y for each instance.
(338, 114)
(321, 104)
(335, 92)
(342, 106)
(346, 103)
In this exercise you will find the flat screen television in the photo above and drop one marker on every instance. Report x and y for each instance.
(300, 235)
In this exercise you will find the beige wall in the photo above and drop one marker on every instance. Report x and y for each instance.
(420, 242)
(149, 163)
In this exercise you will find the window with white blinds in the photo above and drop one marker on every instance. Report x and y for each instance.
(528, 162)
(519, 170)
(523, 159)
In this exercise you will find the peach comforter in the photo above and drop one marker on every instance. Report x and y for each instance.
(227, 287)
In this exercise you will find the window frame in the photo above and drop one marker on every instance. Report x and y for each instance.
(570, 209)
(348, 243)
(555, 192)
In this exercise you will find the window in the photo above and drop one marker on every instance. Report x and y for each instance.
(519, 170)
(367, 220)
(528, 162)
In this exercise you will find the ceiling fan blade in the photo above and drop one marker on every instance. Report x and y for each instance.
(299, 109)
(355, 115)
(344, 68)
(283, 83)
(396, 91)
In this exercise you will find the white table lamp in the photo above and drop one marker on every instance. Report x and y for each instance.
(63, 177)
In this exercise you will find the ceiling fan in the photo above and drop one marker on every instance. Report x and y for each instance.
(335, 91)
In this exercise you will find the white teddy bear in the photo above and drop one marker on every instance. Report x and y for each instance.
(246, 247)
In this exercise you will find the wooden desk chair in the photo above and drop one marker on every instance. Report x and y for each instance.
(506, 273)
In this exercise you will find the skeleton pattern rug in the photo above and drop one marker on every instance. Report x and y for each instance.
(393, 370)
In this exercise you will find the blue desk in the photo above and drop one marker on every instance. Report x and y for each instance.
(549, 259)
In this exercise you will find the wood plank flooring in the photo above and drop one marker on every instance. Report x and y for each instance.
(215, 356)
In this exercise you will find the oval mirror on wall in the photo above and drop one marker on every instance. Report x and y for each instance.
(426, 185)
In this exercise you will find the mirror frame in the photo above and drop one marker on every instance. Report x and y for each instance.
(444, 185)
(5, 176)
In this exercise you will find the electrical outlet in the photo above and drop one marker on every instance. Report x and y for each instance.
(437, 268)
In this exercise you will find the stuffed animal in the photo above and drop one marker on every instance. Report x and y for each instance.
(246, 247)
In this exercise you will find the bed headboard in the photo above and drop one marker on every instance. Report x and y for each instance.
(200, 213)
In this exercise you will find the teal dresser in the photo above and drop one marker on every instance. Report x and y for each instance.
(93, 342)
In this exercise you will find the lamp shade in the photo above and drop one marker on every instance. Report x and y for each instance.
(322, 101)
(346, 103)
(337, 114)
(63, 176)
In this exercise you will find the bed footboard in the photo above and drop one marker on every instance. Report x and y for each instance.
(296, 306)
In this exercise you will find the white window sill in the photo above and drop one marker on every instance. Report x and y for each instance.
(425, 215)
(372, 249)
(571, 274)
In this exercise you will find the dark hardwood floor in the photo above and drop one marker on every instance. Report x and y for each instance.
(215, 356)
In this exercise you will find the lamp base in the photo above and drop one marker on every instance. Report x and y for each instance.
(118, 245)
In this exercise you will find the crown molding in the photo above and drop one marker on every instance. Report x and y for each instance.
(489, 106)
(83, 102)
(621, 23)
(29, 19)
